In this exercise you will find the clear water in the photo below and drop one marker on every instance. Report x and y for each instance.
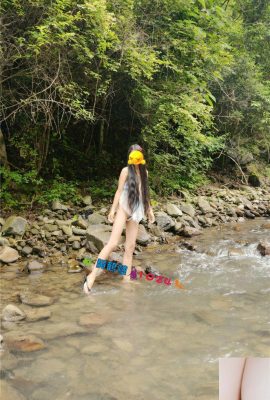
(157, 341)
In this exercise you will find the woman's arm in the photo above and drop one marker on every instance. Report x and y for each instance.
(121, 182)
(150, 212)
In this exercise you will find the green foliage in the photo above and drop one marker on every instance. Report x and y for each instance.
(59, 189)
(81, 81)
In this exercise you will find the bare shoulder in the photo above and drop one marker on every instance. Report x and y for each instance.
(124, 171)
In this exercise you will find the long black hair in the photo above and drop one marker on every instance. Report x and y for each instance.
(133, 186)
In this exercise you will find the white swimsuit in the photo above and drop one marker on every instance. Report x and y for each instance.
(138, 214)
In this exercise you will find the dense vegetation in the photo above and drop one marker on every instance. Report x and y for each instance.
(81, 80)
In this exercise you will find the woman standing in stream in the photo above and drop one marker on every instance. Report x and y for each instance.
(133, 201)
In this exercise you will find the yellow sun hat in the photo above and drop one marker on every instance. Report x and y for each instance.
(136, 157)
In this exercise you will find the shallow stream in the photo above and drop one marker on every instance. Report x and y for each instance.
(153, 341)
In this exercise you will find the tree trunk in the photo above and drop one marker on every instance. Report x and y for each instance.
(3, 152)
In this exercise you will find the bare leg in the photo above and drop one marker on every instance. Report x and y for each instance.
(256, 379)
(131, 235)
(117, 230)
(230, 377)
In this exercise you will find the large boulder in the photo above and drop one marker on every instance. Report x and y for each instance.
(99, 235)
(173, 210)
(8, 254)
(14, 226)
(164, 221)
(143, 236)
(188, 209)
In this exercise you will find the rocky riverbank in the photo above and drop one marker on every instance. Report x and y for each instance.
(71, 233)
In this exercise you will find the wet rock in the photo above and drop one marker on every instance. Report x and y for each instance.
(205, 206)
(16, 341)
(266, 225)
(9, 393)
(235, 252)
(8, 254)
(12, 313)
(57, 330)
(73, 266)
(93, 348)
(155, 230)
(37, 315)
(249, 214)
(143, 236)
(188, 231)
(173, 210)
(123, 345)
(2, 221)
(96, 218)
(7, 361)
(92, 319)
(74, 238)
(37, 300)
(87, 201)
(56, 205)
(188, 209)
(189, 246)
(67, 230)
(164, 221)
(14, 226)
(264, 248)
(26, 250)
(149, 269)
(34, 265)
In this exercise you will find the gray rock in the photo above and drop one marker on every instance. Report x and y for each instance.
(188, 231)
(164, 221)
(37, 315)
(4, 241)
(96, 218)
(155, 230)
(8, 254)
(205, 206)
(67, 230)
(178, 227)
(264, 248)
(78, 231)
(2, 221)
(26, 250)
(173, 210)
(34, 265)
(12, 313)
(99, 235)
(50, 227)
(14, 226)
(34, 299)
(87, 201)
(188, 209)
(81, 223)
(76, 245)
(143, 236)
(56, 205)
